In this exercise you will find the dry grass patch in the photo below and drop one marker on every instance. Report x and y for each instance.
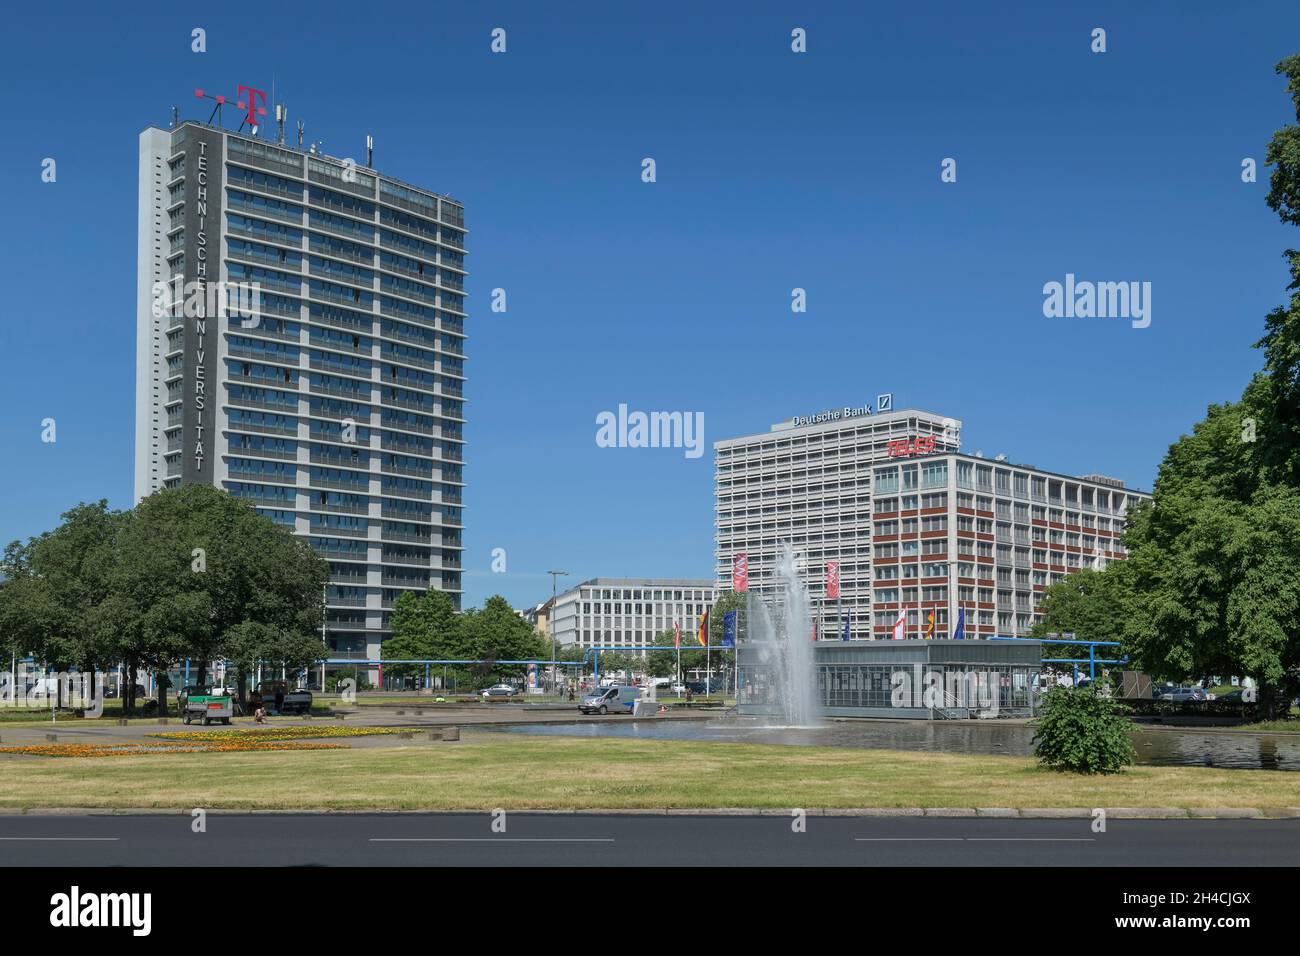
(495, 770)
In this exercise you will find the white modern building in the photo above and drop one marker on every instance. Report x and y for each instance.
(627, 612)
(336, 405)
(915, 527)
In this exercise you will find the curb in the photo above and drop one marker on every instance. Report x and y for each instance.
(1021, 813)
(1146, 813)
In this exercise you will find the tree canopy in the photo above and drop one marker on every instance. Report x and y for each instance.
(189, 572)
(1212, 584)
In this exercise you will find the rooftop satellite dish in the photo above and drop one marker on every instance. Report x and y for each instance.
(999, 457)
(979, 454)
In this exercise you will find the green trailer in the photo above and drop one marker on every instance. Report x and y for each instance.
(205, 705)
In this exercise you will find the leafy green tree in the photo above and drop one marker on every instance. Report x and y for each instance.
(425, 627)
(196, 562)
(1092, 605)
(496, 633)
(662, 663)
(250, 643)
(727, 601)
(169, 579)
(54, 586)
(611, 661)
(1214, 570)
(1081, 731)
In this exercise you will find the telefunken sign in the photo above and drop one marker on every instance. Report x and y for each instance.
(884, 403)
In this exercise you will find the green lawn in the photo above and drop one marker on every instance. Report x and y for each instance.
(488, 770)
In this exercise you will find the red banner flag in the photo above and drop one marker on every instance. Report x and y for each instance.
(833, 580)
(677, 634)
(740, 573)
(703, 634)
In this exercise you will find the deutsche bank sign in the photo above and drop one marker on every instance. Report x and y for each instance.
(884, 403)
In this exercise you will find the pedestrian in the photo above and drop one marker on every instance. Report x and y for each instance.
(570, 693)
(279, 700)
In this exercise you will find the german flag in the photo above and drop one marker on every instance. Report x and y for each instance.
(702, 635)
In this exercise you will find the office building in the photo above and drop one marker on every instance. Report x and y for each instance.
(627, 612)
(333, 397)
(920, 534)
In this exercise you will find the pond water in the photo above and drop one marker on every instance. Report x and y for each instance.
(1182, 747)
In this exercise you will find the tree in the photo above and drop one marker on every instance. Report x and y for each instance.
(497, 633)
(1090, 604)
(54, 587)
(195, 562)
(171, 578)
(662, 663)
(1214, 566)
(425, 627)
(250, 643)
(727, 601)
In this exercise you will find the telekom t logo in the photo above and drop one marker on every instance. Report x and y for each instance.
(254, 110)
(249, 103)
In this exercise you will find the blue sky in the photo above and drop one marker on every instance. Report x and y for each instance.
(775, 171)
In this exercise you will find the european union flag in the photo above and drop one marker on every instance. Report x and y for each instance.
(729, 629)
(960, 633)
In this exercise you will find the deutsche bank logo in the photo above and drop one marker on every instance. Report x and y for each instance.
(885, 403)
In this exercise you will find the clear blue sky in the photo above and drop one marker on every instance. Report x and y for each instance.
(775, 170)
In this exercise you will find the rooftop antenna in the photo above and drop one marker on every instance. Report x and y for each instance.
(370, 151)
(300, 134)
(175, 116)
(216, 110)
(281, 114)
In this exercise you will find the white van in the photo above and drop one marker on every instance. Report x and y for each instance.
(616, 699)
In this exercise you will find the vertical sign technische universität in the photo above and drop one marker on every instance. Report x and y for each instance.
(204, 180)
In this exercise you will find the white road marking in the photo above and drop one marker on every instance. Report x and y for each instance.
(74, 839)
(491, 840)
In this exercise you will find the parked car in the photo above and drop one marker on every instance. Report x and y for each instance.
(678, 689)
(1183, 694)
(295, 701)
(1231, 697)
(500, 690)
(617, 699)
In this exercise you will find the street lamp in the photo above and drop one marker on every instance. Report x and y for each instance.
(550, 620)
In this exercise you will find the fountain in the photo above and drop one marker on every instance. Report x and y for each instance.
(776, 652)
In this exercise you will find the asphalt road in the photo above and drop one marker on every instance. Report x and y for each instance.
(430, 839)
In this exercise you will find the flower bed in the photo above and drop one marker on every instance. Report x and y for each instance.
(277, 733)
(161, 747)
